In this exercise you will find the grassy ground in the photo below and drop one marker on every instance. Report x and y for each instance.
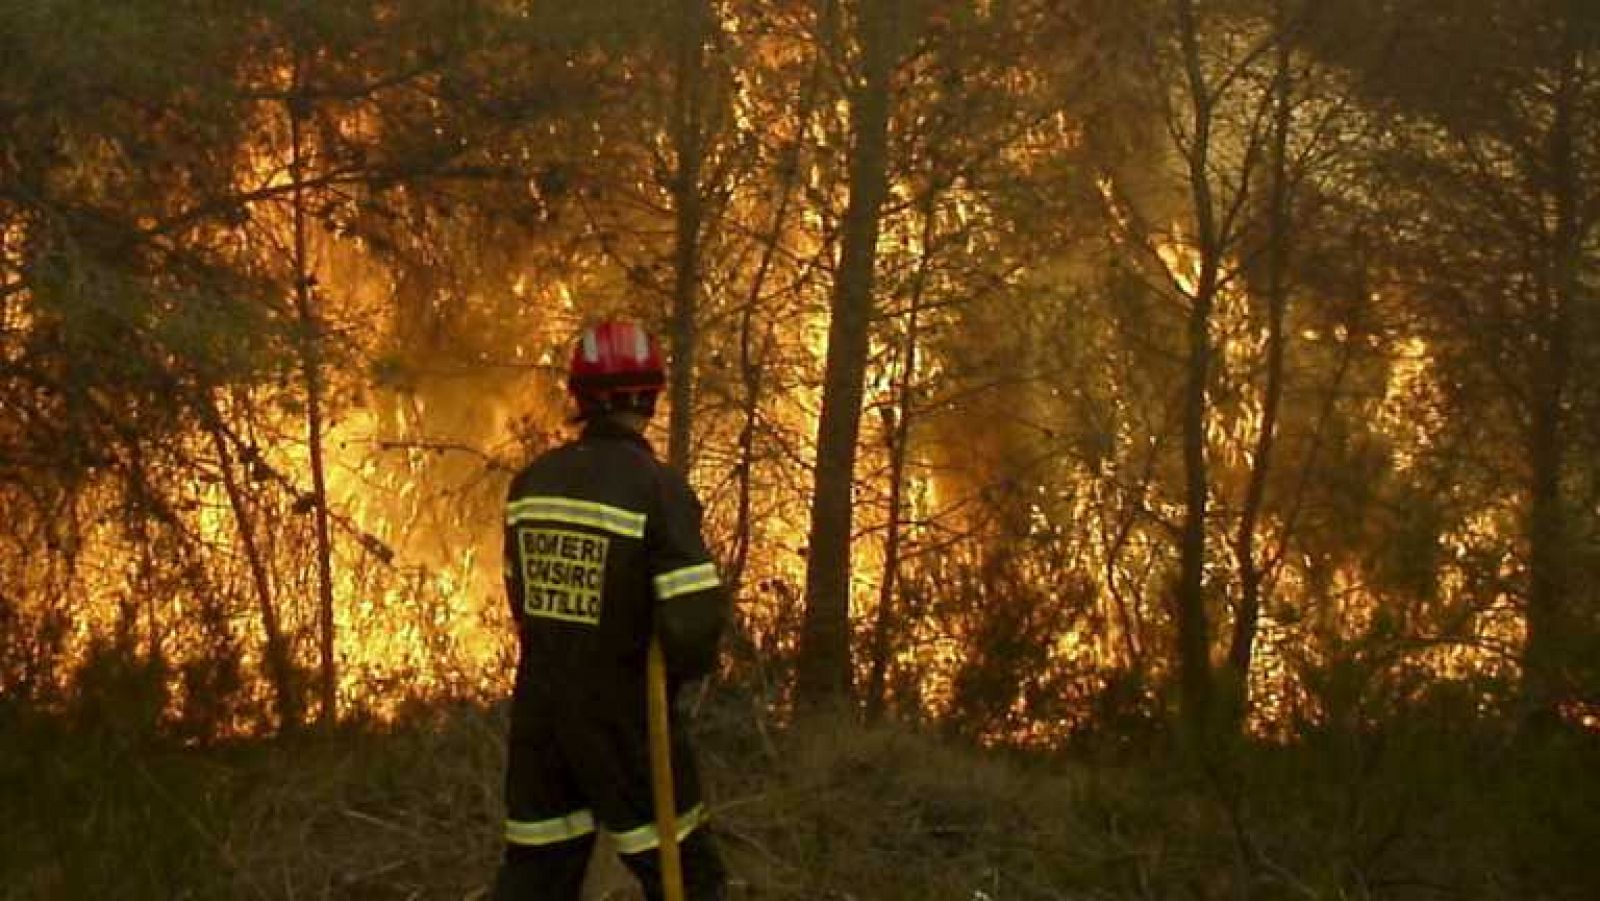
(825, 811)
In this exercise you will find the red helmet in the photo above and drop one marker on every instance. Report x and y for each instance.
(615, 365)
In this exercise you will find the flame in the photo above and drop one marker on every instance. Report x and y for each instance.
(417, 471)
(1411, 405)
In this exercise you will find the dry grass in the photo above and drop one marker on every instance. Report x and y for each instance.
(391, 815)
(881, 814)
(825, 810)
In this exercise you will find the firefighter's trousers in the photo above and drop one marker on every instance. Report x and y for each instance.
(571, 775)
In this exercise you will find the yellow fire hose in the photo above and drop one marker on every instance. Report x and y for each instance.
(661, 774)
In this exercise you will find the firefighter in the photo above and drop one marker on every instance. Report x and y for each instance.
(603, 549)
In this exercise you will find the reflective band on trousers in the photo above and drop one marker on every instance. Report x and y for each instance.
(568, 510)
(687, 580)
(646, 837)
(548, 832)
(581, 822)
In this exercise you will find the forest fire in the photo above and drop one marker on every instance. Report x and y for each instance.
(1149, 450)
(1129, 419)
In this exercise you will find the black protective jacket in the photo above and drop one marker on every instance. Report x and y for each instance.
(602, 547)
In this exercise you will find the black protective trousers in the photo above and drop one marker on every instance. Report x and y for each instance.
(572, 773)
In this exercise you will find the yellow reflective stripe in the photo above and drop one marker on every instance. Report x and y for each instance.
(548, 832)
(575, 512)
(646, 837)
(689, 579)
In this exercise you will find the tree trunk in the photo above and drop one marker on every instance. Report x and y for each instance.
(750, 369)
(884, 623)
(744, 469)
(1542, 659)
(824, 666)
(311, 370)
(899, 441)
(280, 669)
(1549, 577)
(1194, 639)
(1251, 573)
(689, 142)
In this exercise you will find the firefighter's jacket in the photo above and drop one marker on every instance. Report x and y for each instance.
(602, 547)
